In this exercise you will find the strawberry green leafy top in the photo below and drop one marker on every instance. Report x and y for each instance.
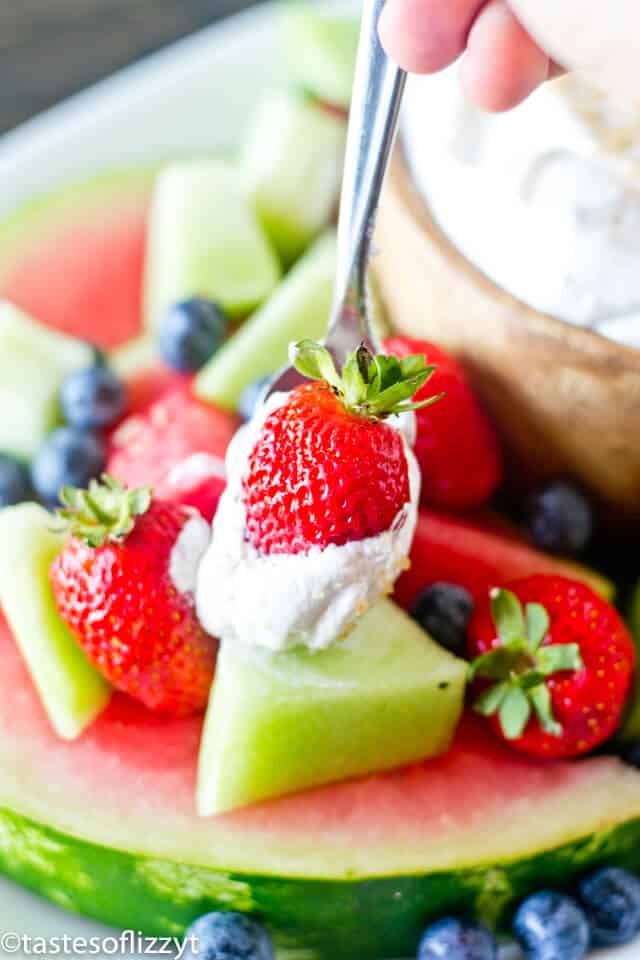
(105, 513)
(521, 665)
(372, 386)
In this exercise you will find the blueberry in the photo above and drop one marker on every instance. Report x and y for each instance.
(227, 936)
(444, 610)
(457, 939)
(92, 398)
(631, 754)
(611, 898)
(15, 486)
(551, 926)
(251, 396)
(68, 458)
(559, 519)
(190, 333)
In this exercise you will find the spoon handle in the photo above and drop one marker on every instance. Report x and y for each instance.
(373, 123)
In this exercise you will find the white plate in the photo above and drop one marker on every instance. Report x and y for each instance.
(194, 96)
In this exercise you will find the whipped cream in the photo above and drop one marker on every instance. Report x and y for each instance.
(282, 601)
(187, 553)
(545, 200)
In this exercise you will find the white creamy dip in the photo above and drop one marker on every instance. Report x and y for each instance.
(281, 601)
(187, 553)
(544, 199)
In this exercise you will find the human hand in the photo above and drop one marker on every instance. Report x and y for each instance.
(501, 66)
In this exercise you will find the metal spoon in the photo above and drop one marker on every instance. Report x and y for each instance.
(373, 122)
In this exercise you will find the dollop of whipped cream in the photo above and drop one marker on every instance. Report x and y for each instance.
(187, 553)
(308, 599)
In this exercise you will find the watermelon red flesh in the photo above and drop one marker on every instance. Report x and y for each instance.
(478, 554)
(75, 261)
(92, 271)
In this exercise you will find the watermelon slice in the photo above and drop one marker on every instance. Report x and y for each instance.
(479, 553)
(106, 826)
(74, 259)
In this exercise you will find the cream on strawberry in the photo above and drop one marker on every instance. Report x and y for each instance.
(319, 512)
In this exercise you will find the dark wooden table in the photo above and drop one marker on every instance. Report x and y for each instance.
(51, 48)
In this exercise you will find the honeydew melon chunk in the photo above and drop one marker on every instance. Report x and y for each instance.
(205, 240)
(279, 723)
(71, 691)
(322, 51)
(135, 356)
(299, 308)
(34, 361)
(292, 159)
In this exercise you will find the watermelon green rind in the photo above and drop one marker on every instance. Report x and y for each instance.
(366, 918)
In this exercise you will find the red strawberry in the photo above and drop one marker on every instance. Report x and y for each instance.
(456, 445)
(146, 449)
(554, 665)
(113, 588)
(326, 469)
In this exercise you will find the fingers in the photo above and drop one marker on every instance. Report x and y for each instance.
(502, 65)
(424, 36)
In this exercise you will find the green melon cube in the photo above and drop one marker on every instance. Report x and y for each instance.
(72, 692)
(280, 723)
(33, 363)
(300, 307)
(205, 240)
(293, 158)
(321, 51)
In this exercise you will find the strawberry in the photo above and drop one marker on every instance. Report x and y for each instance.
(456, 446)
(114, 589)
(326, 468)
(150, 448)
(554, 665)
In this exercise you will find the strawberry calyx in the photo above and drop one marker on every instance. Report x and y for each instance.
(371, 386)
(521, 665)
(103, 513)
